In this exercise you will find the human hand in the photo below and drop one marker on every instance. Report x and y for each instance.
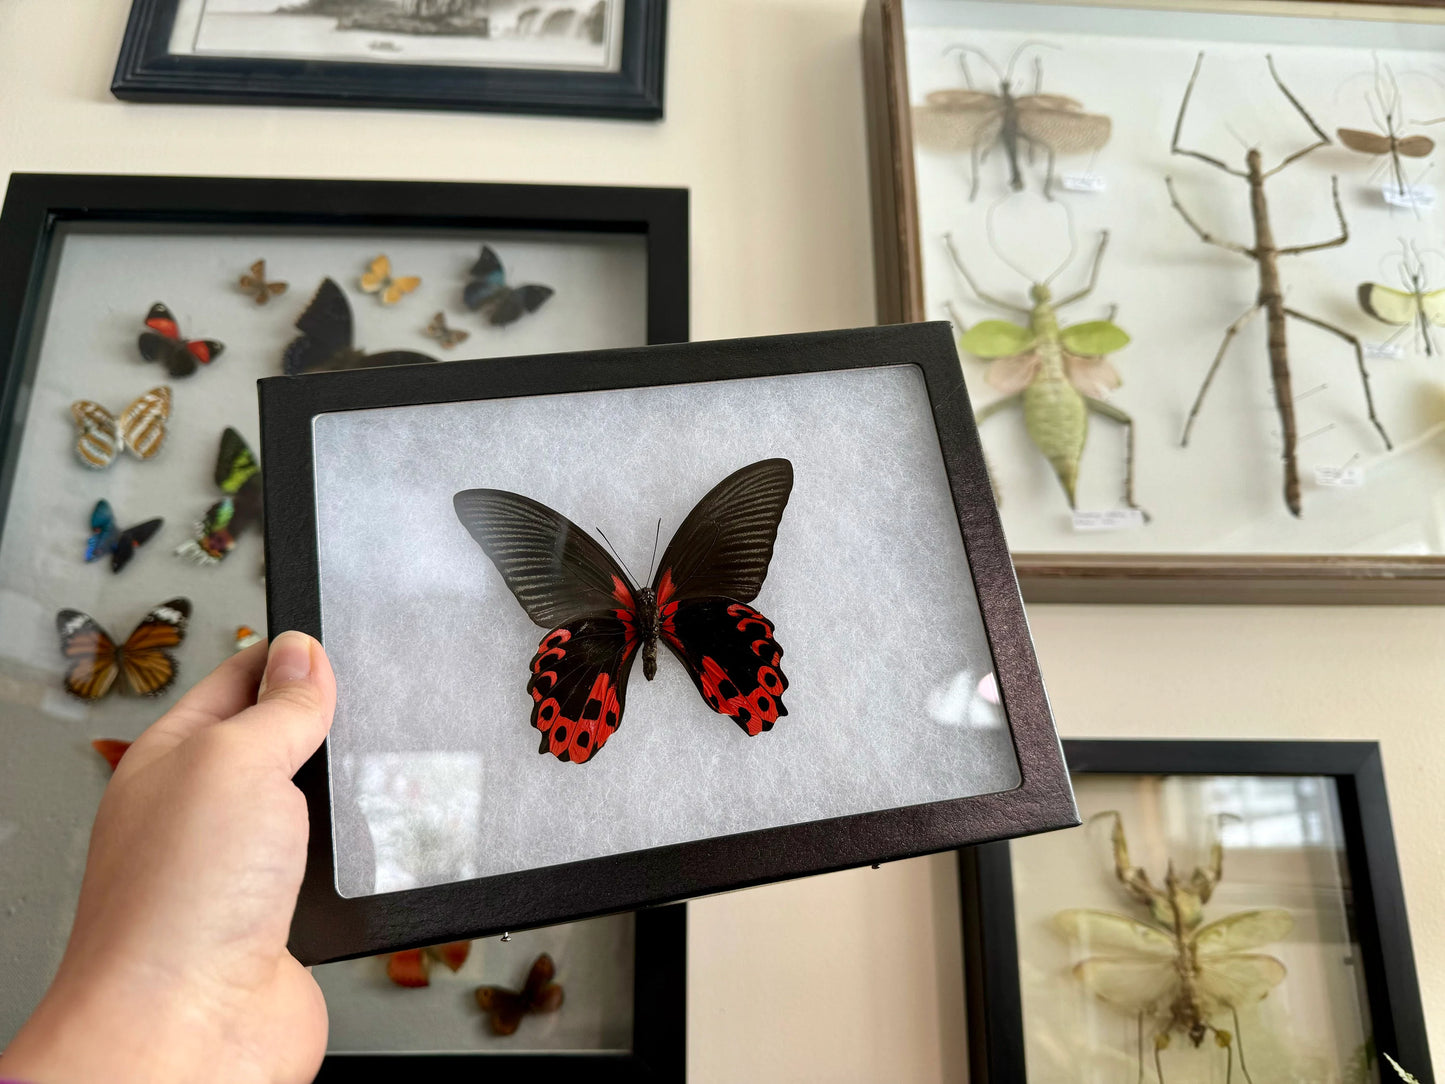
(177, 968)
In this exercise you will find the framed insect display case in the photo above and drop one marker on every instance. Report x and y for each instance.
(661, 703)
(1228, 911)
(1200, 321)
(137, 315)
(591, 58)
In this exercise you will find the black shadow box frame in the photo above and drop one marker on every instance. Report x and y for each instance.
(329, 926)
(37, 203)
(659, 1031)
(147, 71)
(991, 960)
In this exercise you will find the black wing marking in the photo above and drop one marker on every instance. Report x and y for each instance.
(723, 547)
(557, 572)
(130, 540)
(732, 658)
(579, 685)
(326, 331)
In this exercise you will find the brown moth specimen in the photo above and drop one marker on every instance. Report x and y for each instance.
(1270, 300)
(1387, 108)
(976, 120)
(538, 995)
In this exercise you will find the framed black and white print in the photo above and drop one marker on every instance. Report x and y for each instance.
(1229, 911)
(136, 315)
(634, 626)
(592, 58)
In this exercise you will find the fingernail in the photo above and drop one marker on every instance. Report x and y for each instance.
(289, 659)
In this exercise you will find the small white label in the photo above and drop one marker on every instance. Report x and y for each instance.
(1345, 477)
(1384, 351)
(1419, 196)
(1083, 182)
(1115, 519)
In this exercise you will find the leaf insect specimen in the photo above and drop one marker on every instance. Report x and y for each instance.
(977, 120)
(1270, 300)
(1414, 306)
(1057, 375)
(1175, 973)
(1387, 108)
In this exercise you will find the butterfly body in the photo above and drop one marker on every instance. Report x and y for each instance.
(326, 340)
(106, 537)
(598, 622)
(142, 663)
(163, 342)
(488, 292)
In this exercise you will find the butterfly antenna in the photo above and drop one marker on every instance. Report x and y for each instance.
(655, 539)
(620, 561)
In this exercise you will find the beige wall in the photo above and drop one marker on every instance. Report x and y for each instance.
(853, 977)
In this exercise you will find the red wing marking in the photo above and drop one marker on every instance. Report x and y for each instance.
(162, 326)
(575, 687)
(200, 350)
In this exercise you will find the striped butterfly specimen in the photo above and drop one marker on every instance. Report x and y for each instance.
(140, 428)
(143, 663)
(238, 476)
(107, 539)
(539, 994)
(599, 621)
(378, 280)
(255, 284)
(447, 336)
(163, 342)
(487, 292)
(325, 342)
(1415, 306)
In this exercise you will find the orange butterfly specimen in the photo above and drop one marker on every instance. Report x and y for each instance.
(378, 280)
(142, 663)
(412, 967)
(140, 428)
(507, 1007)
(254, 283)
(111, 749)
(246, 637)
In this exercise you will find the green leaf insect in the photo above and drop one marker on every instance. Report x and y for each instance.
(1057, 375)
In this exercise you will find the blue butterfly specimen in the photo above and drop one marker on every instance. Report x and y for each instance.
(106, 537)
(487, 292)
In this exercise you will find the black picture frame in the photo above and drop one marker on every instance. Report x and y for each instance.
(36, 204)
(146, 71)
(659, 1031)
(991, 962)
(329, 926)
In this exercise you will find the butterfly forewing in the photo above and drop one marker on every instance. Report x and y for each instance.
(145, 663)
(90, 652)
(143, 422)
(326, 329)
(103, 531)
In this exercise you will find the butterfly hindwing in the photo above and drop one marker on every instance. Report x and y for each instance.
(729, 652)
(579, 684)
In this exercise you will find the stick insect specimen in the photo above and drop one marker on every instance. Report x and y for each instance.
(1173, 972)
(1270, 300)
(1414, 306)
(1056, 374)
(976, 120)
(1387, 108)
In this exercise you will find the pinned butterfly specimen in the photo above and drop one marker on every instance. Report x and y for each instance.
(111, 749)
(163, 343)
(388, 290)
(539, 994)
(140, 429)
(325, 342)
(487, 292)
(599, 621)
(107, 538)
(1415, 306)
(412, 967)
(143, 663)
(255, 284)
(246, 637)
(238, 476)
(447, 336)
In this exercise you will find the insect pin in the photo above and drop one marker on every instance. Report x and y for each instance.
(107, 539)
(448, 337)
(378, 280)
(255, 285)
(488, 292)
(139, 429)
(238, 476)
(539, 994)
(1416, 306)
(162, 341)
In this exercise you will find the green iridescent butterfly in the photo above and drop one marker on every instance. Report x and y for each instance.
(238, 476)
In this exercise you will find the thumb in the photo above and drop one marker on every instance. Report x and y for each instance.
(297, 697)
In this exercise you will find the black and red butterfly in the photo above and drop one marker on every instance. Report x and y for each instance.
(598, 620)
(163, 342)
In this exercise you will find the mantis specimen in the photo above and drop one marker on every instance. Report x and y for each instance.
(1056, 374)
(976, 120)
(1386, 105)
(1270, 299)
(1414, 306)
(1174, 971)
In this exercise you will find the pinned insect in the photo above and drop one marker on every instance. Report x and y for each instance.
(976, 120)
(412, 967)
(111, 750)
(1413, 307)
(142, 663)
(326, 342)
(1270, 299)
(1387, 108)
(488, 292)
(246, 637)
(254, 284)
(1174, 973)
(163, 342)
(238, 476)
(140, 429)
(448, 337)
(107, 539)
(538, 995)
(378, 280)
(1057, 375)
